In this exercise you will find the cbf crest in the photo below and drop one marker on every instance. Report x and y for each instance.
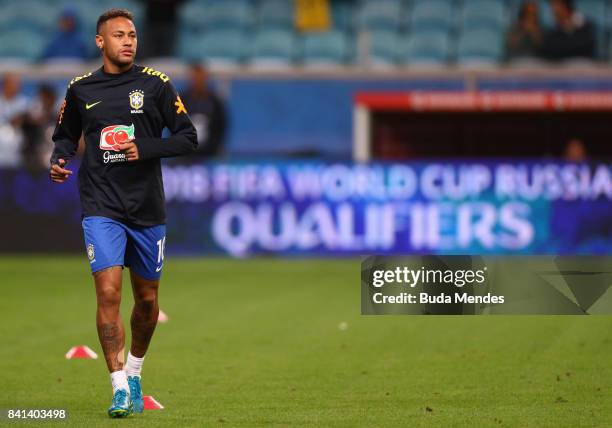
(136, 101)
(91, 254)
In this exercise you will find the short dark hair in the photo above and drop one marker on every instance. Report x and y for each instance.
(113, 13)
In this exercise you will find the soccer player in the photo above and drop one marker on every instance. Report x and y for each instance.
(121, 109)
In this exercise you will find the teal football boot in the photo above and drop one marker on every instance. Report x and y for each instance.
(122, 405)
(136, 393)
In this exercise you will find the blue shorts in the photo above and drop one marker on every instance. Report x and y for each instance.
(111, 243)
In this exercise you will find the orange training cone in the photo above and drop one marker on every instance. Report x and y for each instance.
(81, 351)
(162, 318)
(151, 403)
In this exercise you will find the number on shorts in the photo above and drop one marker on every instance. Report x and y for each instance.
(161, 247)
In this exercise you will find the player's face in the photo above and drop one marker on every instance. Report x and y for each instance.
(118, 41)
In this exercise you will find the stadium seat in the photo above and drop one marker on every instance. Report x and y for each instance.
(275, 14)
(381, 15)
(227, 15)
(480, 47)
(192, 15)
(431, 15)
(608, 49)
(21, 44)
(383, 47)
(325, 49)
(221, 47)
(188, 48)
(513, 7)
(547, 19)
(595, 10)
(134, 6)
(33, 15)
(483, 14)
(89, 13)
(273, 47)
(343, 15)
(608, 21)
(426, 48)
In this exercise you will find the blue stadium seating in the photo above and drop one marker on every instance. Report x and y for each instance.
(430, 48)
(265, 28)
(343, 15)
(480, 47)
(90, 10)
(89, 13)
(384, 47)
(28, 15)
(546, 15)
(273, 47)
(188, 48)
(198, 16)
(595, 10)
(192, 15)
(381, 15)
(275, 14)
(325, 48)
(228, 14)
(608, 21)
(432, 15)
(483, 14)
(21, 44)
(222, 47)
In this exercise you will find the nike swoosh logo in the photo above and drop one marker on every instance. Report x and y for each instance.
(88, 106)
(159, 268)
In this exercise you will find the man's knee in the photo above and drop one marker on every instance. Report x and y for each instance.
(108, 295)
(108, 286)
(145, 298)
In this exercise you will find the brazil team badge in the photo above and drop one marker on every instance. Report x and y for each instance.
(136, 100)
(91, 253)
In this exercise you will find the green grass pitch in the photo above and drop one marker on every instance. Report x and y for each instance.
(257, 343)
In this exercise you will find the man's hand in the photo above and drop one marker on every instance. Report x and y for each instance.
(57, 173)
(130, 149)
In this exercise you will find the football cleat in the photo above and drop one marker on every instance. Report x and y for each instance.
(136, 393)
(122, 404)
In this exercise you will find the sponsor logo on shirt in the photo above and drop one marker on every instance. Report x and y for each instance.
(152, 72)
(110, 139)
(76, 79)
(89, 106)
(136, 101)
(111, 157)
(114, 135)
(180, 107)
